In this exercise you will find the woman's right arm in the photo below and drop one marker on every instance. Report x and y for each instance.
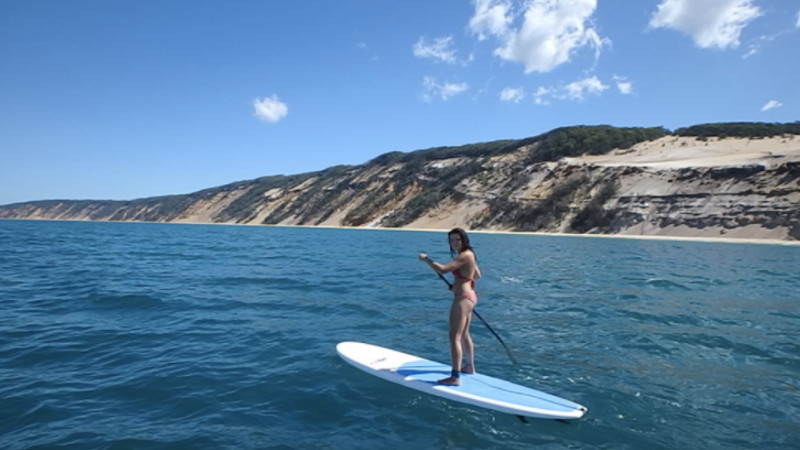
(444, 268)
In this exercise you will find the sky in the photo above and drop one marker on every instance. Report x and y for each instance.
(126, 99)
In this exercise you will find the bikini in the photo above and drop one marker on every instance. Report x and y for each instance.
(469, 295)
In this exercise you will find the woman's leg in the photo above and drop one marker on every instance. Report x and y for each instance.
(468, 346)
(460, 312)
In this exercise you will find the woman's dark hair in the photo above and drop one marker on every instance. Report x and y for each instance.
(464, 240)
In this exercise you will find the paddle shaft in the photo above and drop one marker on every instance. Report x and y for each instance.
(513, 360)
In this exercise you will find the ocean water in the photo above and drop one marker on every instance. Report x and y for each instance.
(124, 335)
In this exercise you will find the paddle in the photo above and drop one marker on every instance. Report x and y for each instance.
(513, 360)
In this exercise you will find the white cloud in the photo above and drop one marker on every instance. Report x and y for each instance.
(755, 45)
(550, 33)
(710, 23)
(798, 19)
(751, 50)
(440, 49)
(772, 104)
(577, 89)
(270, 109)
(442, 90)
(540, 97)
(492, 17)
(624, 86)
(512, 95)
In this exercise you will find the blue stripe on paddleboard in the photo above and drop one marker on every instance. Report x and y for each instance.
(487, 387)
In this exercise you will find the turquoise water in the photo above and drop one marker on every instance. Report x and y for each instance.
(121, 335)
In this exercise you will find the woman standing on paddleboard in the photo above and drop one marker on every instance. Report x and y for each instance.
(465, 271)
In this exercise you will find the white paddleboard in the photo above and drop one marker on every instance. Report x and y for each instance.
(476, 389)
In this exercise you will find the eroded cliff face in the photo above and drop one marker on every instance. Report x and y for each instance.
(742, 202)
(755, 195)
(747, 202)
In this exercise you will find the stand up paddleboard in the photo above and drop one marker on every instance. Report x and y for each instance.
(476, 389)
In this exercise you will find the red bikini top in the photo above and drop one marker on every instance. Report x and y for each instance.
(457, 275)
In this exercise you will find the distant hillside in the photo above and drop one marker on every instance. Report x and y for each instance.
(544, 183)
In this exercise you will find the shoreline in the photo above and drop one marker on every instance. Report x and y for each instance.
(721, 240)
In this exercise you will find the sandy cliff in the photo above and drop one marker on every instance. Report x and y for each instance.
(671, 186)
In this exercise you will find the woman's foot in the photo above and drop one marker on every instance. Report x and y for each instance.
(468, 369)
(450, 381)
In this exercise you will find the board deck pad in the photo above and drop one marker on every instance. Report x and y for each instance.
(475, 389)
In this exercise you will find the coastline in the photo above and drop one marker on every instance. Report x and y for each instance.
(733, 190)
(605, 236)
(721, 240)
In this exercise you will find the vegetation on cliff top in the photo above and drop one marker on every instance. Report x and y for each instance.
(740, 129)
(550, 146)
(589, 140)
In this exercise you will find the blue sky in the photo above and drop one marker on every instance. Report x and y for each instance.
(123, 99)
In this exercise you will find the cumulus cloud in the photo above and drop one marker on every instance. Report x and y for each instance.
(710, 23)
(772, 104)
(798, 19)
(440, 49)
(441, 90)
(492, 17)
(624, 86)
(550, 32)
(270, 109)
(514, 95)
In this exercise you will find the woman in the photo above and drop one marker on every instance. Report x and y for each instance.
(465, 271)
